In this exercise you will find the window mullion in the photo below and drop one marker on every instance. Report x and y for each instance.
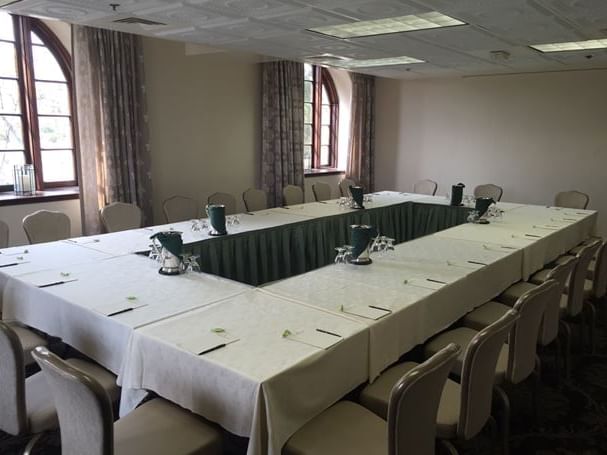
(317, 110)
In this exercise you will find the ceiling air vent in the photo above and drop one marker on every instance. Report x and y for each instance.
(326, 59)
(138, 21)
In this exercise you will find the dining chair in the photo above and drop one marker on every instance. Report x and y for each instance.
(26, 406)
(292, 195)
(3, 234)
(225, 199)
(121, 216)
(425, 186)
(180, 208)
(571, 199)
(465, 407)
(489, 190)
(344, 186)
(322, 191)
(255, 199)
(410, 408)
(87, 425)
(46, 226)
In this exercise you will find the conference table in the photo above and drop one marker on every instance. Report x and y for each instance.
(262, 361)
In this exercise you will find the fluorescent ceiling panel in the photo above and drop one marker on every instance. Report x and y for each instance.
(404, 60)
(571, 46)
(388, 25)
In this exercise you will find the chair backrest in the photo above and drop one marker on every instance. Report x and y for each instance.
(292, 195)
(344, 186)
(120, 216)
(414, 402)
(599, 280)
(3, 234)
(575, 294)
(550, 323)
(83, 407)
(47, 226)
(478, 375)
(255, 199)
(322, 191)
(522, 344)
(13, 414)
(489, 190)
(572, 199)
(224, 199)
(180, 208)
(425, 187)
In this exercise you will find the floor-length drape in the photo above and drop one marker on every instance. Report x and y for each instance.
(361, 154)
(282, 128)
(110, 102)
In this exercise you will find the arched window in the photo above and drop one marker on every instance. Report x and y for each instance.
(321, 113)
(36, 124)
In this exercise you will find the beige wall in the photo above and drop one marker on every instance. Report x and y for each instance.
(532, 134)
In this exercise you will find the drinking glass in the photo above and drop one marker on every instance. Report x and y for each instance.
(340, 258)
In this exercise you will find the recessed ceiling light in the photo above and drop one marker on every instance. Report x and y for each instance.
(403, 60)
(572, 46)
(399, 24)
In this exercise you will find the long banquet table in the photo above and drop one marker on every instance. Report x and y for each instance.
(276, 370)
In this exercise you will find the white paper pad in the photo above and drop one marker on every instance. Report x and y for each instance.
(315, 338)
(196, 343)
(83, 240)
(114, 307)
(365, 311)
(466, 265)
(423, 283)
(11, 262)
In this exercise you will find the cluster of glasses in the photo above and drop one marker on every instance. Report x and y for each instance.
(368, 198)
(469, 200)
(345, 202)
(493, 213)
(344, 254)
(382, 244)
(189, 263)
(204, 225)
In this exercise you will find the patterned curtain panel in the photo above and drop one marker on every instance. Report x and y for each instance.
(362, 132)
(282, 128)
(110, 104)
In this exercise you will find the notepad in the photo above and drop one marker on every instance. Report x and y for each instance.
(111, 309)
(11, 263)
(365, 311)
(472, 264)
(205, 340)
(423, 283)
(312, 337)
(83, 241)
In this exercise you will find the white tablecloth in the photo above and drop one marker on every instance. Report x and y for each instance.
(69, 310)
(263, 386)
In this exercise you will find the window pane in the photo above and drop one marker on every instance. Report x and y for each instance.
(325, 135)
(308, 91)
(9, 97)
(52, 98)
(6, 27)
(35, 39)
(8, 160)
(45, 65)
(308, 72)
(55, 132)
(307, 134)
(7, 60)
(57, 165)
(11, 133)
(308, 112)
(325, 115)
(325, 96)
(307, 157)
(324, 155)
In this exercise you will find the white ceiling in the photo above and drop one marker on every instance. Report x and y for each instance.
(277, 28)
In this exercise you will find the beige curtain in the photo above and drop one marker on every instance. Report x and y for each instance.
(114, 161)
(282, 128)
(362, 132)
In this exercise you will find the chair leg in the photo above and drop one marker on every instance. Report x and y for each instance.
(449, 447)
(566, 329)
(557, 360)
(592, 326)
(32, 442)
(505, 417)
(537, 377)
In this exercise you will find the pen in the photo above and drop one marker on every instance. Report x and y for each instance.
(51, 284)
(380, 308)
(206, 351)
(120, 312)
(435, 281)
(329, 333)
(9, 265)
(476, 262)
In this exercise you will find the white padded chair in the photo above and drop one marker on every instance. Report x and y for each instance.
(180, 208)
(26, 405)
(3, 234)
(255, 200)
(87, 424)
(410, 408)
(465, 407)
(292, 195)
(121, 216)
(47, 226)
(224, 199)
(572, 199)
(489, 190)
(322, 191)
(426, 186)
(344, 186)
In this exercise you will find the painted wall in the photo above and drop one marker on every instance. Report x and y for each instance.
(533, 134)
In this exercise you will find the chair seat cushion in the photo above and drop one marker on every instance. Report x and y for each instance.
(485, 315)
(375, 397)
(39, 405)
(540, 277)
(103, 376)
(344, 429)
(160, 427)
(29, 340)
(514, 292)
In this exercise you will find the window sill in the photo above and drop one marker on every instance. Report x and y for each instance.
(58, 194)
(322, 172)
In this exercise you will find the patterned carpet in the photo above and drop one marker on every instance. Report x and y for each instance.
(572, 417)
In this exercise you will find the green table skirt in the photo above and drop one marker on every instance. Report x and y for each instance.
(271, 254)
